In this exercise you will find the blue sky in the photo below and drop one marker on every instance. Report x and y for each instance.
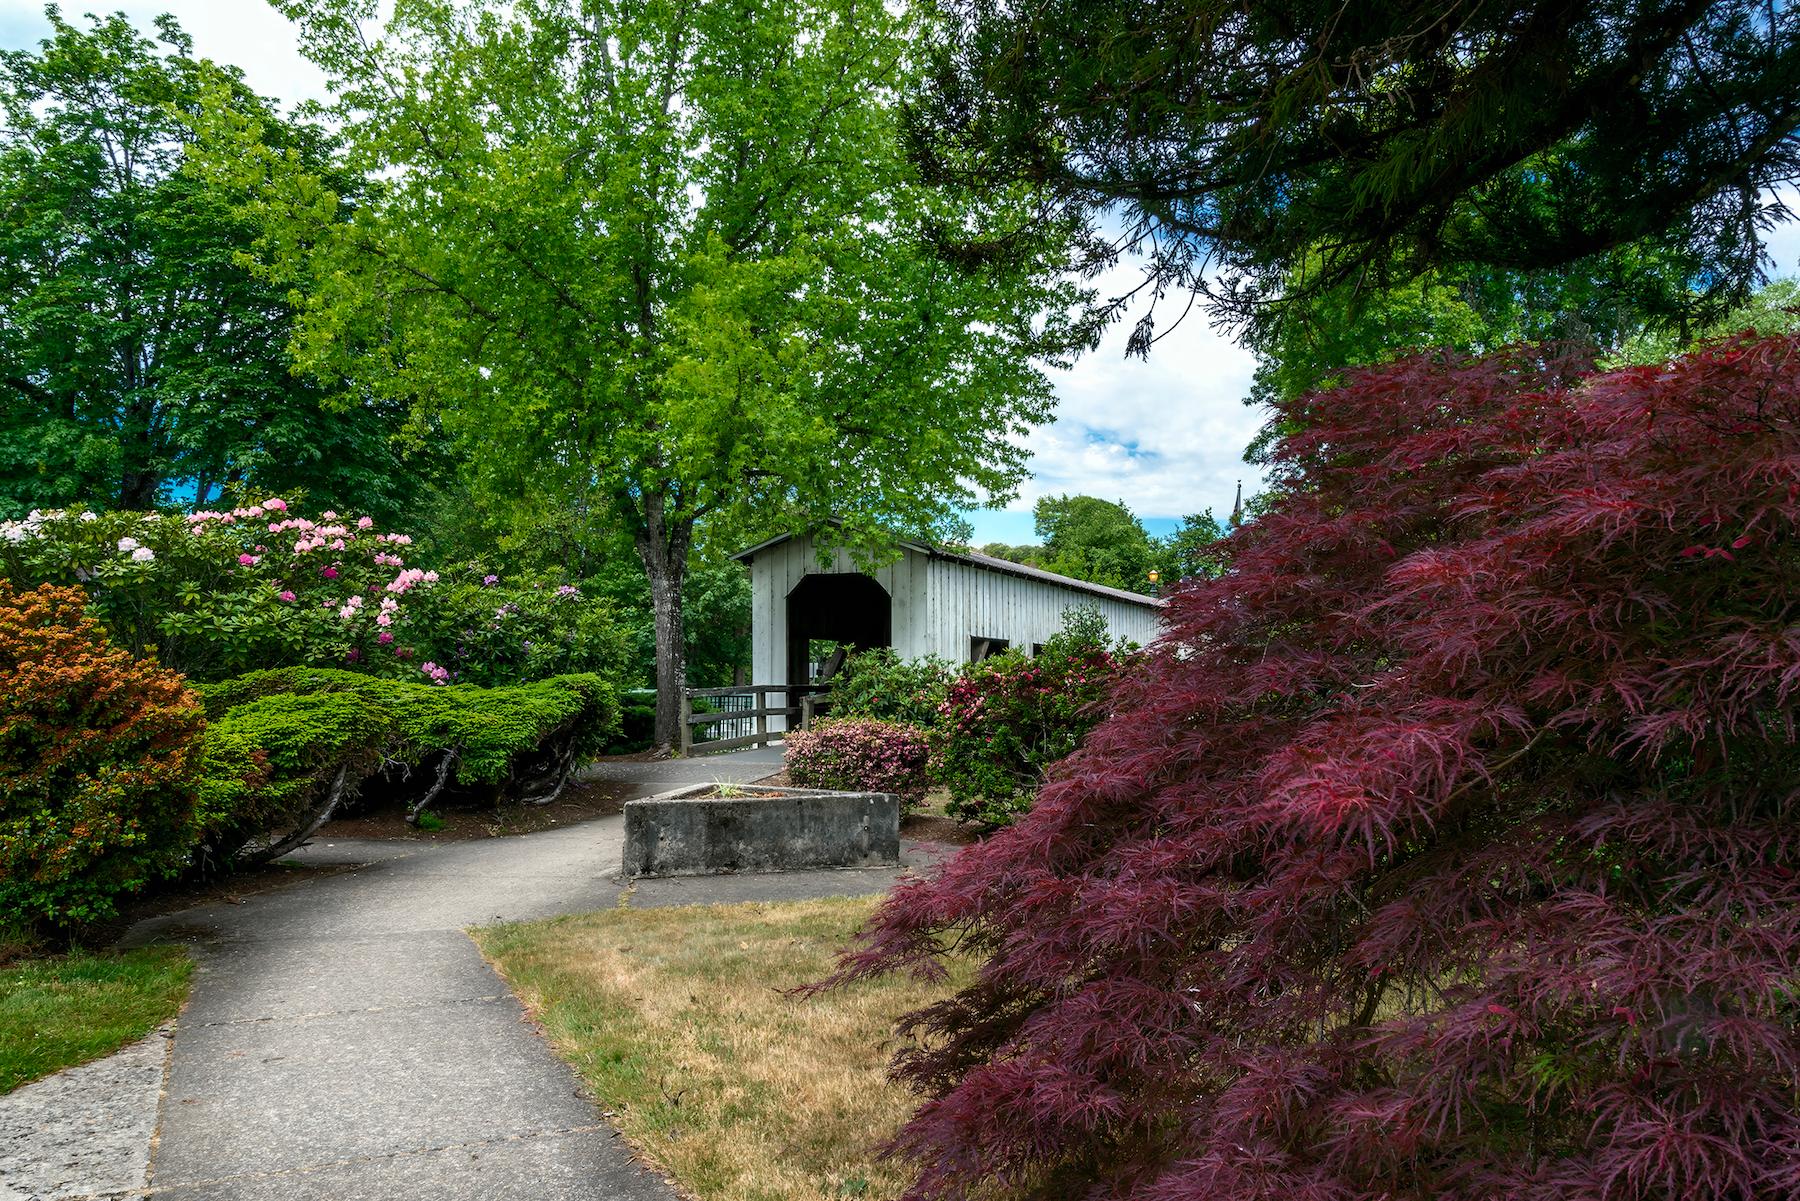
(1165, 436)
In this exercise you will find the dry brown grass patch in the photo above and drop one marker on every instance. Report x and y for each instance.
(677, 1020)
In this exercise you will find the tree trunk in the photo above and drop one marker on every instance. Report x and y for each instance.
(662, 544)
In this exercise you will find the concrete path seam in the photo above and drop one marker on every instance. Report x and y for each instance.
(523, 1136)
(162, 1095)
(441, 1003)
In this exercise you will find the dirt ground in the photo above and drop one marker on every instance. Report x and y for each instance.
(925, 823)
(581, 801)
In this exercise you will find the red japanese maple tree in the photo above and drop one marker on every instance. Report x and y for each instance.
(1446, 847)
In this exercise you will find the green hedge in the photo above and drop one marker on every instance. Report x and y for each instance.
(286, 749)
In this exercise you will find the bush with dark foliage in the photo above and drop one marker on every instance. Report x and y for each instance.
(1448, 846)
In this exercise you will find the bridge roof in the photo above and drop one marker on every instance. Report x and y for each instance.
(987, 563)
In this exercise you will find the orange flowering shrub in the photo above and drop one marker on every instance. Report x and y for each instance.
(99, 755)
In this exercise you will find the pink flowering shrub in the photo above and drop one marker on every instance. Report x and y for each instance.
(1007, 719)
(217, 593)
(861, 754)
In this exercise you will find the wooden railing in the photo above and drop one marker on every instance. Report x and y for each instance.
(752, 719)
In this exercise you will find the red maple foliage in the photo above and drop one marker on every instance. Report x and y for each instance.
(1447, 847)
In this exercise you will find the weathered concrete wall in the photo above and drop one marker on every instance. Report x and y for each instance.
(680, 834)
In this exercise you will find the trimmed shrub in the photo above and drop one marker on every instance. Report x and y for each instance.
(878, 683)
(860, 754)
(288, 749)
(1447, 847)
(1008, 718)
(98, 756)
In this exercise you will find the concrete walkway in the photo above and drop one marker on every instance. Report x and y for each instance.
(345, 1040)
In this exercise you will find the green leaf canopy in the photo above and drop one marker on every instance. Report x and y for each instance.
(669, 255)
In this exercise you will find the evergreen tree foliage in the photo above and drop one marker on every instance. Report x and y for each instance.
(1304, 147)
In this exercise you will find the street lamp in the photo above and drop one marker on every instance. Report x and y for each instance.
(1155, 578)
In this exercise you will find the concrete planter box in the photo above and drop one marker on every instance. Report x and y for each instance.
(683, 833)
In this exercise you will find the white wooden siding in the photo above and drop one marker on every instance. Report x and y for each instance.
(777, 570)
(938, 605)
(978, 602)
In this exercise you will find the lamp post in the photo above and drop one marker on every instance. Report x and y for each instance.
(1155, 578)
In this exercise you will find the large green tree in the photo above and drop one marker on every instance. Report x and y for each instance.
(139, 362)
(668, 258)
(1093, 539)
(1272, 150)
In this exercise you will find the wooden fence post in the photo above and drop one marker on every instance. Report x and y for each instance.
(687, 724)
(762, 717)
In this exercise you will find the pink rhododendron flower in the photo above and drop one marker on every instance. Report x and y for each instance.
(337, 544)
(329, 515)
(330, 573)
(383, 619)
(384, 637)
(363, 523)
(275, 503)
(285, 594)
(246, 560)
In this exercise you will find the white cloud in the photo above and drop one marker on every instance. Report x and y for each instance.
(243, 33)
(1167, 435)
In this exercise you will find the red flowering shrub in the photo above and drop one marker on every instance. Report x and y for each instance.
(860, 754)
(1447, 847)
(1008, 718)
(97, 763)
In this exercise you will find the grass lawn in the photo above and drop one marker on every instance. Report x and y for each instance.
(739, 1093)
(61, 1010)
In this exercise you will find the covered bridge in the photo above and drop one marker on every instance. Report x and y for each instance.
(929, 601)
